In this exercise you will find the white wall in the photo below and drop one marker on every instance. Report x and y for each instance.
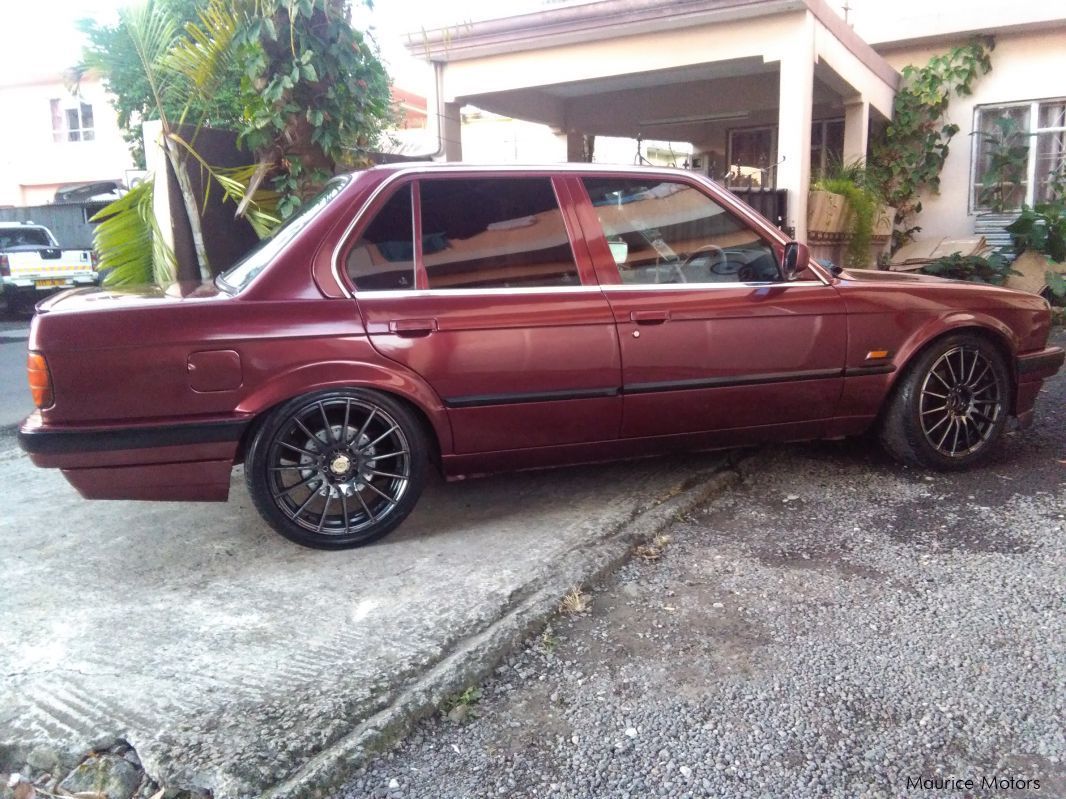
(1028, 66)
(32, 165)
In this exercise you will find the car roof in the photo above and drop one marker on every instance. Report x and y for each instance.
(463, 166)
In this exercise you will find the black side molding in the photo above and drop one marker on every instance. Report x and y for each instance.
(60, 442)
(478, 400)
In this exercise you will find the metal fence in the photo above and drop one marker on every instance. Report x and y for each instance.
(69, 223)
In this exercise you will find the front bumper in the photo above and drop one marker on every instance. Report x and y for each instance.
(1032, 369)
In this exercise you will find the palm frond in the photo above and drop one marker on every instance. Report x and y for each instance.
(128, 241)
(201, 56)
(154, 31)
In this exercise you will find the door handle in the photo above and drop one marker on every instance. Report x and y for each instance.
(649, 317)
(412, 327)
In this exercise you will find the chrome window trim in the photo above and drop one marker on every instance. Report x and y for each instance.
(708, 286)
(539, 290)
(401, 293)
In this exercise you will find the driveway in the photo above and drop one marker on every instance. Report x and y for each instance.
(234, 660)
(15, 401)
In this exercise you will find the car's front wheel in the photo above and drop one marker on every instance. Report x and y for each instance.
(337, 469)
(951, 406)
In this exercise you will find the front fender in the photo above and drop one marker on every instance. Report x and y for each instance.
(949, 323)
(347, 374)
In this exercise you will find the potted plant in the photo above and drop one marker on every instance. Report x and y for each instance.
(844, 208)
(1039, 239)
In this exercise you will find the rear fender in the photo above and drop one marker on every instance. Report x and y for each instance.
(348, 374)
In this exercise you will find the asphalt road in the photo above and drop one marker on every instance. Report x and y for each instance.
(15, 400)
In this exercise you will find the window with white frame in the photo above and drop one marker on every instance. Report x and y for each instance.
(72, 120)
(1019, 154)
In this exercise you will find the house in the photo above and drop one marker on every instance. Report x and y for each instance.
(768, 92)
(59, 132)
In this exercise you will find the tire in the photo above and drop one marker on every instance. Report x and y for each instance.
(950, 407)
(337, 469)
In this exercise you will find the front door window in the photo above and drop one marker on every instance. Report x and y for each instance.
(666, 232)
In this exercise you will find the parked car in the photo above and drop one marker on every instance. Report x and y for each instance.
(33, 265)
(484, 319)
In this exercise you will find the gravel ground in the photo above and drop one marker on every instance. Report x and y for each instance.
(835, 626)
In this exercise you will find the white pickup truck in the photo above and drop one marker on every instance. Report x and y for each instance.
(32, 265)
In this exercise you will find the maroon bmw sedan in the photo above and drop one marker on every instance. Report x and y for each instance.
(485, 319)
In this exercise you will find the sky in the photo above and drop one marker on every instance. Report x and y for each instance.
(40, 38)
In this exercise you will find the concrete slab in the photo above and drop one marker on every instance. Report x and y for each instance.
(236, 661)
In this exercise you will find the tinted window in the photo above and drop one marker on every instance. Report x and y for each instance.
(384, 256)
(494, 233)
(666, 232)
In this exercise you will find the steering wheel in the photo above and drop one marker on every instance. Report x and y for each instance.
(721, 263)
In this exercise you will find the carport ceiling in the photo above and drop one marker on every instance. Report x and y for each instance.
(658, 78)
(690, 104)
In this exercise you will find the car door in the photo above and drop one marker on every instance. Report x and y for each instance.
(470, 279)
(711, 337)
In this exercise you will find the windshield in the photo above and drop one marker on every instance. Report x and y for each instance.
(23, 237)
(241, 274)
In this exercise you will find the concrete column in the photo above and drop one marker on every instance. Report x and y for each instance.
(575, 147)
(796, 96)
(451, 132)
(856, 129)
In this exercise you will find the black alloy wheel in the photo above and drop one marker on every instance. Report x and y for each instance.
(337, 469)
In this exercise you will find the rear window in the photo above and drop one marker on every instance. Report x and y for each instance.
(24, 237)
(245, 270)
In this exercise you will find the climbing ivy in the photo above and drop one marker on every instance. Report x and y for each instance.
(315, 94)
(908, 155)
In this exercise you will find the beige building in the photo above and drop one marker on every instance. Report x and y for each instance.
(766, 91)
(56, 134)
(1027, 84)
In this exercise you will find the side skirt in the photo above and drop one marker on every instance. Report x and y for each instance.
(485, 463)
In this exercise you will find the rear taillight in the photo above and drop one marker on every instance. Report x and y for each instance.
(40, 380)
(5, 266)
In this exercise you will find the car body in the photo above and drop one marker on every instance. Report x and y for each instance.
(501, 318)
(33, 265)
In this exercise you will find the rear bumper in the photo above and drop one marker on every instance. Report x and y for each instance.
(180, 461)
(26, 292)
(1033, 368)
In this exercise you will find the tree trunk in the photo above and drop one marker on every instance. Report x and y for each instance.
(192, 207)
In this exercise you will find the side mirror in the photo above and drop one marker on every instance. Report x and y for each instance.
(794, 259)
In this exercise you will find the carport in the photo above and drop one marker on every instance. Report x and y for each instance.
(748, 82)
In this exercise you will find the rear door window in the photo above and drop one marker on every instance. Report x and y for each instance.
(494, 233)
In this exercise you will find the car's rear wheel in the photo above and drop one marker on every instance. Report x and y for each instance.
(950, 408)
(337, 469)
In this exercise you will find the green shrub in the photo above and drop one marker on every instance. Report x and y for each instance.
(994, 270)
